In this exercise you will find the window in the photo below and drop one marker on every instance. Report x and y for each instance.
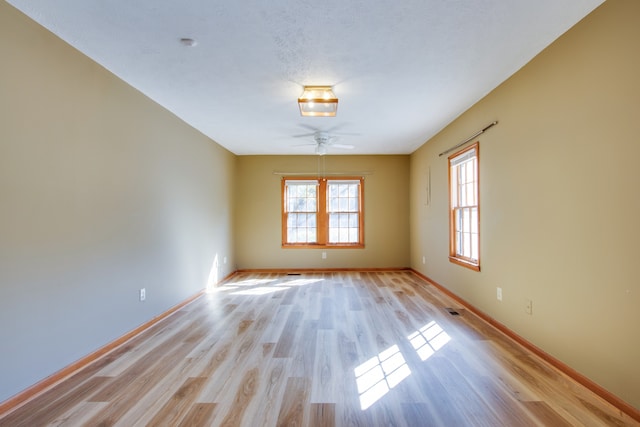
(464, 211)
(322, 212)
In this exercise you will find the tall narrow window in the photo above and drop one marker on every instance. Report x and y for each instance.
(464, 212)
(322, 212)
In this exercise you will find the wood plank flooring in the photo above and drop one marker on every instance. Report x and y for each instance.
(319, 349)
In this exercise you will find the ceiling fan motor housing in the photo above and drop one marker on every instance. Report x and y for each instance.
(322, 137)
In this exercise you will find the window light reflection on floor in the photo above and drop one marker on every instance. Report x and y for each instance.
(428, 339)
(378, 375)
(252, 286)
(301, 282)
(253, 282)
(261, 290)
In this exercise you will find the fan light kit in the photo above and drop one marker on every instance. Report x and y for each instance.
(324, 141)
(318, 101)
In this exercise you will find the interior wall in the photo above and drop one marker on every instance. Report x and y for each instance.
(259, 212)
(559, 208)
(102, 193)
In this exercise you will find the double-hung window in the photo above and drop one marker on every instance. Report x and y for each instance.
(464, 211)
(322, 212)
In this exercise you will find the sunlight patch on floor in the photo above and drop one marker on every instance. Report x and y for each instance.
(378, 375)
(262, 290)
(256, 286)
(428, 339)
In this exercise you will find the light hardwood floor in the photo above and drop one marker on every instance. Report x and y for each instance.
(319, 349)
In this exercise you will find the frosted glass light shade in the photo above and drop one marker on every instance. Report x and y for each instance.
(318, 101)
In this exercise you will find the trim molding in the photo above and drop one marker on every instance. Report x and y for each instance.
(564, 368)
(318, 270)
(48, 382)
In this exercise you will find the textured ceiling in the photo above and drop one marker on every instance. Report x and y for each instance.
(402, 70)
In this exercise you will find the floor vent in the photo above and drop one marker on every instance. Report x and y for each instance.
(293, 274)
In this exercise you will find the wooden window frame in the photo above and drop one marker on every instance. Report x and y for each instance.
(454, 256)
(322, 220)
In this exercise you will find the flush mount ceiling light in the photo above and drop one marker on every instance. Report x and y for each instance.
(318, 101)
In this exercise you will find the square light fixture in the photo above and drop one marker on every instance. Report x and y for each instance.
(318, 101)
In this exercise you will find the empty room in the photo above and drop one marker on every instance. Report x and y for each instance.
(336, 214)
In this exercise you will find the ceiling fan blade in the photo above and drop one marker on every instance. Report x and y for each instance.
(333, 129)
(345, 146)
(347, 133)
(306, 126)
(304, 145)
(303, 135)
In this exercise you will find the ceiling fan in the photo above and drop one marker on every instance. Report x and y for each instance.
(324, 140)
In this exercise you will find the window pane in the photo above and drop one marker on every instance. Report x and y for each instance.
(311, 235)
(454, 190)
(301, 228)
(470, 194)
(474, 220)
(466, 245)
(343, 228)
(470, 171)
(301, 197)
(466, 220)
(344, 220)
(311, 205)
(353, 221)
(474, 247)
(344, 235)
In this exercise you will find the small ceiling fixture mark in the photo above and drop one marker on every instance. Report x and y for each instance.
(186, 41)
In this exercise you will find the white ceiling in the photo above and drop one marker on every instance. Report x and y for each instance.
(402, 69)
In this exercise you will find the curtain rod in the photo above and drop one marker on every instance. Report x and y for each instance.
(490, 125)
(323, 173)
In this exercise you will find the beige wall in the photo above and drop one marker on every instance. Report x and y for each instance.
(102, 192)
(559, 200)
(258, 212)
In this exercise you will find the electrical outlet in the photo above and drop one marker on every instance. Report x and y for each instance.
(499, 294)
(224, 260)
(528, 306)
(324, 255)
(424, 260)
(143, 294)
